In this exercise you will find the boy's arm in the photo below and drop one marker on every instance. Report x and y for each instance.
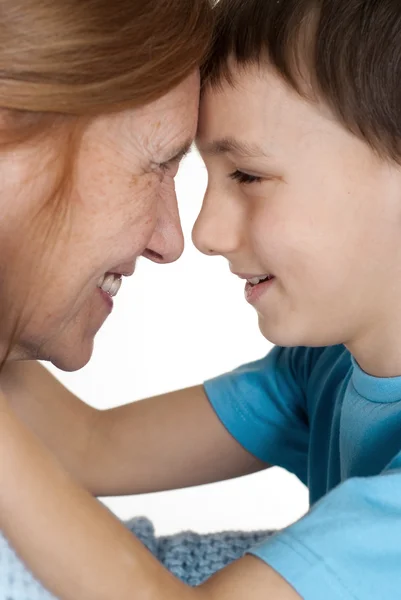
(80, 551)
(170, 441)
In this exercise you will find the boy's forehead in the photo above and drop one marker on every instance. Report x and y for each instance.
(255, 116)
(234, 117)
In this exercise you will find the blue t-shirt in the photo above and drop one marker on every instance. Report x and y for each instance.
(315, 412)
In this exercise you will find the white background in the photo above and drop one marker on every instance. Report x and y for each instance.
(174, 326)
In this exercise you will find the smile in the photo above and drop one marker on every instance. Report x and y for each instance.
(110, 283)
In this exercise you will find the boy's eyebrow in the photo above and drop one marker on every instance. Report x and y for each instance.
(230, 144)
(178, 153)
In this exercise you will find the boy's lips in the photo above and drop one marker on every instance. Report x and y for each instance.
(253, 276)
(256, 284)
(254, 292)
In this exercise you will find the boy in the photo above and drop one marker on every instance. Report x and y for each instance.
(299, 129)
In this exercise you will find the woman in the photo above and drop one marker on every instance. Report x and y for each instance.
(99, 103)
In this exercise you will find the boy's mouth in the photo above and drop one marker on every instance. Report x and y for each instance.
(258, 279)
(253, 278)
(256, 287)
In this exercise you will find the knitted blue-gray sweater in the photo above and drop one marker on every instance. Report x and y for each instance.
(190, 556)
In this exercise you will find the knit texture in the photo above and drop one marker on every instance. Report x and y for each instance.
(189, 556)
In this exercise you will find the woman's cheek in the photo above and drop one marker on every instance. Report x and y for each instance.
(141, 199)
(168, 184)
(168, 196)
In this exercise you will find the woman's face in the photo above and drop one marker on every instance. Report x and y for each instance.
(122, 204)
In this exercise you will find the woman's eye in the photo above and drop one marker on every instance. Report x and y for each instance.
(170, 168)
(242, 177)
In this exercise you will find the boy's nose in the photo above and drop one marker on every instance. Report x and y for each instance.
(218, 229)
(167, 242)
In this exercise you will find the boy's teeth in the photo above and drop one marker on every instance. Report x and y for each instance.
(256, 280)
(110, 284)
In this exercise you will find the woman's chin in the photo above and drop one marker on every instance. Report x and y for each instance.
(67, 355)
(71, 363)
(72, 358)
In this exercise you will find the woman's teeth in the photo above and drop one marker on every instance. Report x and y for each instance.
(110, 283)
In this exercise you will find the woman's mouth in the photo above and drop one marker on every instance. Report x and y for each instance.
(110, 283)
(108, 286)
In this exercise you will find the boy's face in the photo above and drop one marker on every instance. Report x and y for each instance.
(306, 202)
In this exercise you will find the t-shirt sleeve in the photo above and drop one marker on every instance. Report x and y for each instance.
(263, 406)
(347, 547)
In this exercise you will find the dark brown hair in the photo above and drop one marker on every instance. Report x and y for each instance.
(61, 63)
(348, 52)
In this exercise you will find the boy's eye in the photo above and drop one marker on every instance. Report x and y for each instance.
(242, 177)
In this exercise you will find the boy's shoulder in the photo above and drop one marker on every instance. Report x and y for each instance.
(323, 357)
(301, 362)
(310, 367)
(289, 370)
(315, 368)
(305, 360)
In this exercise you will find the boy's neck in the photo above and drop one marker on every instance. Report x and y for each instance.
(379, 355)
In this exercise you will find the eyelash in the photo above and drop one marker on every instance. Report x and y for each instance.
(170, 165)
(244, 177)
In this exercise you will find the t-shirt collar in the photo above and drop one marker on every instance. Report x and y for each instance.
(376, 389)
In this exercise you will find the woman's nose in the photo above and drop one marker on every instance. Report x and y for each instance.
(167, 242)
(217, 230)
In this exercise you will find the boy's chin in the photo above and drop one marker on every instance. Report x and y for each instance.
(277, 337)
(289, 335)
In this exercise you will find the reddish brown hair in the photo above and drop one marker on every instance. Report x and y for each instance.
(89, 56)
